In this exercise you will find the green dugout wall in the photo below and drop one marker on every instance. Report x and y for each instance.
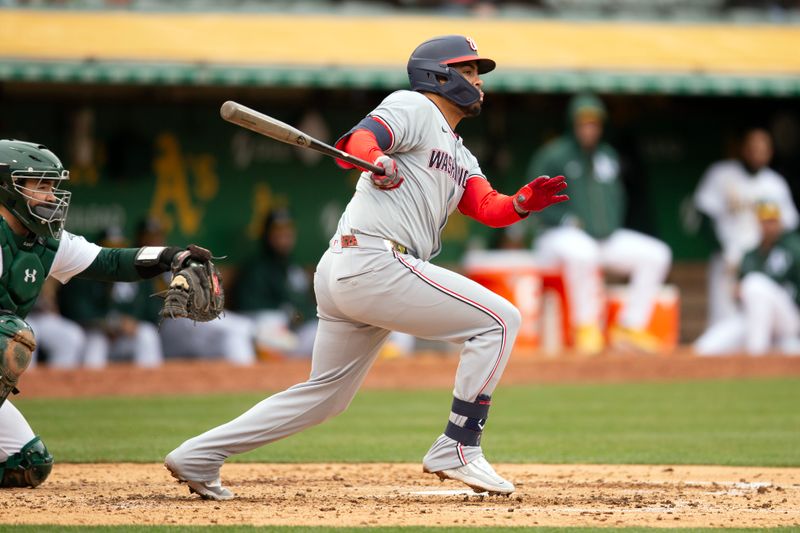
(165, 152)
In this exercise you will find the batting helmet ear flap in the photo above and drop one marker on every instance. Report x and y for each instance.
(426, 75)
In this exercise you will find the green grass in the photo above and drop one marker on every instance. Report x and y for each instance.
(741, 422)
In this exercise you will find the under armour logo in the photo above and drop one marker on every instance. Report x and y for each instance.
(30, 275)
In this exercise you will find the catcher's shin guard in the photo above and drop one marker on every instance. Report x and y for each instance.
(16, 350)
(29, 467)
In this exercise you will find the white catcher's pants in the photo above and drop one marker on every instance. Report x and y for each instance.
(645, 259)
(768, 319)
(362, 295)
(14, 430)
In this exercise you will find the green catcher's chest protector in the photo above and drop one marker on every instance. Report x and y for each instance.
(25, 265)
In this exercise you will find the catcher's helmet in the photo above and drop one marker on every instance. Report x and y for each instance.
(21, 161)
(432, 59)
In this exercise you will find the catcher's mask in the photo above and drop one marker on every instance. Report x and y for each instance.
(30, 176)
(432, 60)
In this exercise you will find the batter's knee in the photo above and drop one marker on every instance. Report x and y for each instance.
(514, 320)
(510, 319)
(29, 467)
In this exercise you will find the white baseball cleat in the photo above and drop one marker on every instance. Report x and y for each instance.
(208, 490)
(478, 475)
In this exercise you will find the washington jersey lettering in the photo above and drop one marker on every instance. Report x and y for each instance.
(443, 161)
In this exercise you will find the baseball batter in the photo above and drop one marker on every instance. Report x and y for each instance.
(376, 276)
(33, 246)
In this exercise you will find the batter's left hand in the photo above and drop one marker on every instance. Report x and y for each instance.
(391, 178)
(540, 193)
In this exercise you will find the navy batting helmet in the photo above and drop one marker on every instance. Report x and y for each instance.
(431, 61)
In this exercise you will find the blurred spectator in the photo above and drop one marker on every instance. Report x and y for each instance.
(276, 292)
(767, 317)
(61, 339)
(229, 337)
(119, 318)
(726, 198)
(585, 234)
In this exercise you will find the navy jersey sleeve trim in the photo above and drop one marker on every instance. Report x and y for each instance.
(379, 127)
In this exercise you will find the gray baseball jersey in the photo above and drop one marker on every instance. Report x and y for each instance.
(435, 164)
(366, 288)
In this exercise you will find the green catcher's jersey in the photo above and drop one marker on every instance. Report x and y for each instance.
(781, 263)
(26, 263)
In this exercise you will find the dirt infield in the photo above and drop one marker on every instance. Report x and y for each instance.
(399, 494)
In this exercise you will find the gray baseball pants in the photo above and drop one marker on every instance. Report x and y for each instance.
(363, 293)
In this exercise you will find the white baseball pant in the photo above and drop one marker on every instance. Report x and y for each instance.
(645, 259)
(768, 320)
(14, 430)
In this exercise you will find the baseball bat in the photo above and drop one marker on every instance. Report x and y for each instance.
(243, 116)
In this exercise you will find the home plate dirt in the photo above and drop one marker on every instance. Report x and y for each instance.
(376, 494)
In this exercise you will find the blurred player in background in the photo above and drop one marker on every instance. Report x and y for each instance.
(726, 195)
(767, 317)
(585, 235)
(229, 338)
(34, 246)
(376, 277)
(119, 318)
(63, 340)
(276, 292)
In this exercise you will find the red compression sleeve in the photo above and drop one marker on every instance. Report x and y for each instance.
(481, 202)
(362, 144)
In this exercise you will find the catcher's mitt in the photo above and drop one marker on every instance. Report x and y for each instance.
(195, 292)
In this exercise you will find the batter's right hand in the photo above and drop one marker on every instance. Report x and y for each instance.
(391, 178)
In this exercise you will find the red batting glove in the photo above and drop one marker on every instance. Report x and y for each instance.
(391, 178)
(540, 193)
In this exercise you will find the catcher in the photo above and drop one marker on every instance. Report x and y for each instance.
(33, 246)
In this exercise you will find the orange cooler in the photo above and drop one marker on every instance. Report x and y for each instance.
(665, 321)
(513, 275)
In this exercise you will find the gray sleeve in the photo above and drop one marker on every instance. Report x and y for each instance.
(406, 117)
